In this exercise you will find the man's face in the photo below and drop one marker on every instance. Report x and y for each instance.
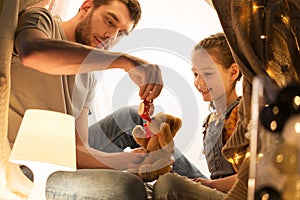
(104, 26)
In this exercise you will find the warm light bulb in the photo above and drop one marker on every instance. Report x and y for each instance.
(291, 131)
(297, 127)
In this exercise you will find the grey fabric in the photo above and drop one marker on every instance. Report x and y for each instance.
(101, 184)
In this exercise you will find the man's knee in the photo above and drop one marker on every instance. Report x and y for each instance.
(129, 111)
(127, 116)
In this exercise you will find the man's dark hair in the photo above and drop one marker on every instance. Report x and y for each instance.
(132, 5)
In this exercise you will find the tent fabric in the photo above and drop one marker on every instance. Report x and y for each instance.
(9, 10)
(253, 37)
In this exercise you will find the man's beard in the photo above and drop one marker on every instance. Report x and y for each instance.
(83, 31)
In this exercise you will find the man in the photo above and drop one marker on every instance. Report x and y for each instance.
(47, 54)
(41, 43)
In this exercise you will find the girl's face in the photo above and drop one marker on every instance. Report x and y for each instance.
(210, 78)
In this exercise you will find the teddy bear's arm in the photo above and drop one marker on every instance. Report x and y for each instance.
(174, 122)
(140, 136)
(153, 144)
(165, 138)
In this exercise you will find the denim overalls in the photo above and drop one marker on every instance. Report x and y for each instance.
(213, 143)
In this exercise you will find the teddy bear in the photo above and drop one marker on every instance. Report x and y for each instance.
(157, 138)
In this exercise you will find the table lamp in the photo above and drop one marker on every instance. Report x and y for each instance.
(45, 143)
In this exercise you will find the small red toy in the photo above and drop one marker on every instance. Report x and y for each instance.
(145, 110)
(149, 134)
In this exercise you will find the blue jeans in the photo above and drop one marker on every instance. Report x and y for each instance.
(114, 134)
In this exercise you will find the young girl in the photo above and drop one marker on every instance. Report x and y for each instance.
(215, 77)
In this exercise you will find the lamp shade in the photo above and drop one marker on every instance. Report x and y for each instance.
(45, 143)
(47, 137)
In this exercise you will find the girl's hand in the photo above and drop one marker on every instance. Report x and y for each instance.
(204, 181)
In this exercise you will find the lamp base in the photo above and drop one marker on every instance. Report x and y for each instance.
(40, 177)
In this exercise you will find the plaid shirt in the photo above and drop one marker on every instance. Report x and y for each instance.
(229, 124)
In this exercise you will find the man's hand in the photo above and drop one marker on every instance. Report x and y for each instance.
(147, 76)
(89, 158)
(124, 160)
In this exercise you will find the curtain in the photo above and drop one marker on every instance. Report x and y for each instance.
(56, 7)
(13, 184)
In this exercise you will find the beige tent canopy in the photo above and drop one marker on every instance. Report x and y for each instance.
(13, 184)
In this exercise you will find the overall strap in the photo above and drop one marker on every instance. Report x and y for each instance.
(231, 106)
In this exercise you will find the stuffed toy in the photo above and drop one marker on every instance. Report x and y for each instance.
(157, 138)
